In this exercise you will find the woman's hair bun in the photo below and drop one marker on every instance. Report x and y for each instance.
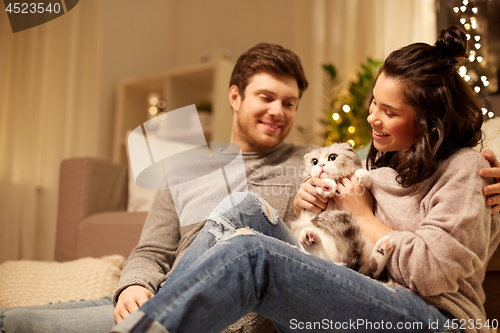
(452, 42)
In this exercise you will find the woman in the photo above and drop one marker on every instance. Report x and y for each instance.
(427, 190)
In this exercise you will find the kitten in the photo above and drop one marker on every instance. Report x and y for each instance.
(334, 234)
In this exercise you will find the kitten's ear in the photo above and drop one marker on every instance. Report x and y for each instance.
(347, 145)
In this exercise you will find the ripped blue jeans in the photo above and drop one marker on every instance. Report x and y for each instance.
(226, 274)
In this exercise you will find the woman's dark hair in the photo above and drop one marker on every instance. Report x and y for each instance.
(271, 58)
(447, 112)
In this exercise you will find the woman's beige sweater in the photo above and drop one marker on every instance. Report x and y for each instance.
(445, 234)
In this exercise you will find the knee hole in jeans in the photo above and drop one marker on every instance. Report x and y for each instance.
(269, 211)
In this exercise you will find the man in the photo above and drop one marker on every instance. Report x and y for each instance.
(264, 93)
(266, 86)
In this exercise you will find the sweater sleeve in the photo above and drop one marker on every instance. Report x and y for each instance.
(451, 241)
(153, 257)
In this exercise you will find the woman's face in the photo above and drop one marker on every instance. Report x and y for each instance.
(392, 121)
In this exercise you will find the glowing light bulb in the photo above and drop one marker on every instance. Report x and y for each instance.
(462, 71)
(354, 143)
(471, 58)
(153, 100)
(467, 26)
(346, 108)
(477, 45)
(455, 9)
(153, 110)
(351, 129)
(491, 114)
(479, 59)
(477, 38)
(467, 78)
(468, 36)
(484, 78)
(463, 8)
(465, 2)
(463, 20)
(335, 116)
(486, 83)
(477, 89)
(474, 10)
(485, 110)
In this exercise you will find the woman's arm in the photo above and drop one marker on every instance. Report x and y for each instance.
(308, 198)
(357, 200)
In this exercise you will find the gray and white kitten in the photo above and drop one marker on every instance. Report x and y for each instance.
(334, 234)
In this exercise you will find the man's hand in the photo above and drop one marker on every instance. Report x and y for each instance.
(130, 300)
(308, 198)
(492, 191)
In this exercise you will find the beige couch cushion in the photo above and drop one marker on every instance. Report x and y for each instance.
(27, 282)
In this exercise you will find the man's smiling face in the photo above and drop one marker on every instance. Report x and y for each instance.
(265, 116)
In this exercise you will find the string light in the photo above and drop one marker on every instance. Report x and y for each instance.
(351, 129)
(456, 9)
(346, 108)
(477, 89)
(336, 116)
(484, 110)
(465, 2)
(473, 22)
(490, 114)
(479, 58)
(474, 10)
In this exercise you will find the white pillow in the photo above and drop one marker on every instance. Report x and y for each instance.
(27, 282)
(139, 199)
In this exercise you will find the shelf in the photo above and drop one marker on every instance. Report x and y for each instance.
(178, 87)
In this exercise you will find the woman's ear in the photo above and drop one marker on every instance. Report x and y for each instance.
(234, 98)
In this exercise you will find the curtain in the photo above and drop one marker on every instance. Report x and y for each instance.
(49, 89)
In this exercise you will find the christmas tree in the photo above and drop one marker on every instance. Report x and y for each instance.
(346, 111)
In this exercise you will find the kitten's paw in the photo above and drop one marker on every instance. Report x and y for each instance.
(385, 246)
(307, 237)
(328, 190)
(363, 177)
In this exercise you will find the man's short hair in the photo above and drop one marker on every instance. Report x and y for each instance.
(270, 58)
